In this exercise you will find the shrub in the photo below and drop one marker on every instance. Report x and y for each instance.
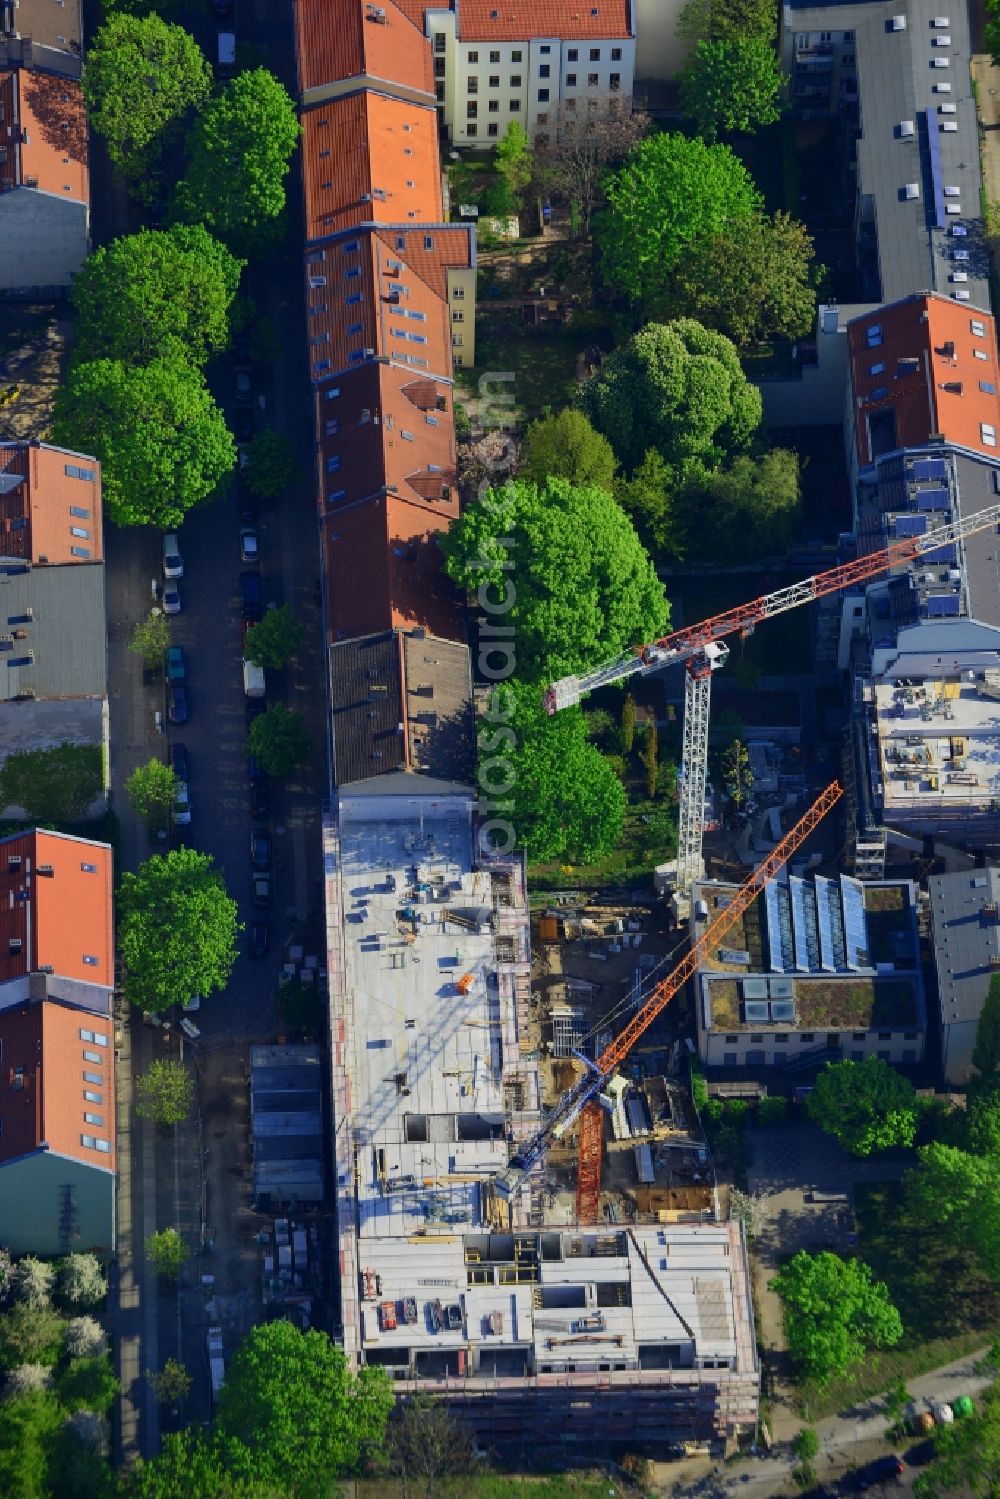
(772, 1110)
(33, 1280)
(90, 1430)
(30, 1335)
(737, 1111)
(84, 1338)
(27, 1377)
(81, 1280)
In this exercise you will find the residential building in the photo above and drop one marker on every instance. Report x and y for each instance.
(57, 1076)
(818, 969)
(53, 630)
(965, 930)
(519, 61)
(897, 78)
(44, 181)
(42, 34)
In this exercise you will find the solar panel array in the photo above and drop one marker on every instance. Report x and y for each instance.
(923, 469)
(910, 525)
(852, 897)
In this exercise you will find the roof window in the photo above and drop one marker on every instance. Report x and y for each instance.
(978, 327)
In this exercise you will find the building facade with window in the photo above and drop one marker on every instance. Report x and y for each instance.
(517, 61)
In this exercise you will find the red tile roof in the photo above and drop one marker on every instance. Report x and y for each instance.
(348, 40)
(39, 515)
(521, 20)
(383, 571)
(919, 366)
(45, 131)
(62, 918)
(367, 157)
(42, 1083)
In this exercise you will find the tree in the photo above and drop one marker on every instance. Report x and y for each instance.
(141, 77)
(805, 1444)
(583, 587)
(753, 282)
(986, 1049)
(302, 1009)
(513, 161)
(991, 32)
(239, 151)
(958, 1193)
(81, 1280)
(171, 1384)
(167, 1253)
(271, 464)
(29, 1425)
(33, 1281)
(196, 1465)
(747, 509)
(274, 639)
(728, 20)
(161, 439)
(966, 1455)
(30, 1335)
(177, 930)
(731, 85)
(671, 193)
(580, 147)
(25, 1378)
(291, 1399)
(737, 775)
(279, 740)
(834, 1313)
(426, 1442)
(53, 785)
(627, 731)
(147, 292)
(164, 1094)
(865, 1105)
(152, 790)
(150, 639)
(651, 758)
(85, 1338)
(982, 1121)
(567, 447)
(564, 799)
(87, 1384)
(648, 499)
(676, 387)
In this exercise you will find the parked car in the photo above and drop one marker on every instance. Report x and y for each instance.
(173, 562)
(260, 849)
(243, 387)
(249, 544)
(176, 667)
(879, 1470)
(243, 423)
(177, 703)
(178, 761)
(259, 938)
(182, 806)
(249, 512)
(260, 798)
(252, 597)
(261, 889)
(171, 599)
(243, 456)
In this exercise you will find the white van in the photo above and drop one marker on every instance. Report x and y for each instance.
(226, 53)
(253, 679)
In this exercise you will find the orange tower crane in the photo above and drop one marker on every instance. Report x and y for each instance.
(581, 1101)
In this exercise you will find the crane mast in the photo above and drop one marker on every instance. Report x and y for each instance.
(579, 1102)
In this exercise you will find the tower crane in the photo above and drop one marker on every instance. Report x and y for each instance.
(581, 1101)
(702, 650)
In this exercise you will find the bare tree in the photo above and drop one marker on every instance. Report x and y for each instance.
(425, 1443)
(582, 143)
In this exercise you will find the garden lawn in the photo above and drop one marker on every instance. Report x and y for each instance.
(641, 847)
(948, 1306)
(543, 362)
(500, 1486)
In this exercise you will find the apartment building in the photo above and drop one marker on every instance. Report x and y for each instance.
(44, 181)
(818, 969)
(966, 938)
(42, 34)
(896, 76)
(517, 61)
(57, 1082)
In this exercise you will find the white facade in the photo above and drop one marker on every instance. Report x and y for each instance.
(483, 86)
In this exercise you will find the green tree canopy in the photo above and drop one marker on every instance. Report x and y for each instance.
(986, 1049)
(648, 497)
(966, 1455)
(583, 587)
(142, 76)
(565, 800)
(834, 1313)
(676, 387)
(865, 1105)
(162, 441)
(514, 162)
(991, 32)
(565, 446)
(29, 1427)
(753, 282)
(728, 20)
(177, 929)
(30, 1335)
(155, 290)
(272, 466)
(87, 1384)
(152, 790)
(194, 1465)
(81, 1280)
(279, 739)
(165, 1093)
(671, 193)
(292, 1401)
(167, 1252)
(239, 151)
(748, 509)
(150, 639)
(53, 785)
(731, 85)
(959, 1193)
(277, 636)
(172, 1383)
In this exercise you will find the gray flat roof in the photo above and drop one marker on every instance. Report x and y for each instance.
(64, 652)
(896, 82)
(977, 491)
(965, 939)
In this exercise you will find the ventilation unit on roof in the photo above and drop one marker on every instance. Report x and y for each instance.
(911, 190)
(949, 126)
(897, 23)
(941, 23)
(906, 129)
